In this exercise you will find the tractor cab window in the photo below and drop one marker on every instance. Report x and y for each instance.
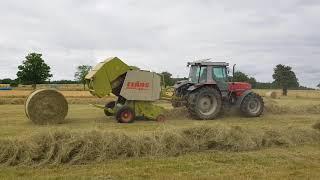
(194, 73)
(203, 75)
(198, 74)
(219, 73)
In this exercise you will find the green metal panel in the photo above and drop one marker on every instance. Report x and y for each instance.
(100, 79)
(142, 108)
(146, 109)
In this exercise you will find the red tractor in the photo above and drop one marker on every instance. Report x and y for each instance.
(208, 92)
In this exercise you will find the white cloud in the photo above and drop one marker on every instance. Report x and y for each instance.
(163, 35)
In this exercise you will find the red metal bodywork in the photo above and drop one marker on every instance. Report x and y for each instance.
(239, 87)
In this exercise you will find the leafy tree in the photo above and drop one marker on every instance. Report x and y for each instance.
(64, 82)
(14, 83)
(285, 78)
(242, 77)
(253, 82)
(265, 85)
(5, 81)
(33, 70)
(318, 85)
(166, 79)
(81, 73)
(178, 79)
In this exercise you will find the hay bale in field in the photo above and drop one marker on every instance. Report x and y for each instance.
(46, 106)
(271, 94)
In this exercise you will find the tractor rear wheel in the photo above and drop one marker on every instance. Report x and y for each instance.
(205, 103)
(109, 105)
(125, 115)
(252, 105)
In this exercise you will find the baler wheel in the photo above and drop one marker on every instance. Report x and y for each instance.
(109, 105)
(125, 115)
(161, 118)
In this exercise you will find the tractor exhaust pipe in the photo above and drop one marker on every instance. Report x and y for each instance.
(233, 71)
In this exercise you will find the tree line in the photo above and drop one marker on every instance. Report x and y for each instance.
(34, 70)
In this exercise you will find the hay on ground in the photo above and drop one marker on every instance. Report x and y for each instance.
(272, 94)
(46, 106)
(82, 147)
(316, 126)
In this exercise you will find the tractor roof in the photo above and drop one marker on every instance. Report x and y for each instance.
(207, 62)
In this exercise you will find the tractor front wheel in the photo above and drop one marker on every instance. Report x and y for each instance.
(125, 115)
(252, 105)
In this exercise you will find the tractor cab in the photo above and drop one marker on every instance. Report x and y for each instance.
(207, 72)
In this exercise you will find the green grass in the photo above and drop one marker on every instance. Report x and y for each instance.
(300, 162)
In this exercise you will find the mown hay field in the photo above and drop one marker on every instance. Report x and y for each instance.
(25, 93)
(297, 94)
(61, 87)
(73, 97)
(282, 144)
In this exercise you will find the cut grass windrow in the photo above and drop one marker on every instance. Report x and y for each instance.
(83, 147)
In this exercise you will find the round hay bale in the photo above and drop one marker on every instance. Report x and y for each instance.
(271, 94)
(46, 106)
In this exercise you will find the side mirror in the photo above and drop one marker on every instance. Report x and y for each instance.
(228, 70)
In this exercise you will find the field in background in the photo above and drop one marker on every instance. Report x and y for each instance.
(18, 95)
(300, 110)
(61, 87)
(312, 94)
(73, 97)
(26, 93)
(4, 85)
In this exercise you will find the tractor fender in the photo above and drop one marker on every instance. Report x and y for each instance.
(197, 86)
(193, 87)
(178, 84)
(241, 98)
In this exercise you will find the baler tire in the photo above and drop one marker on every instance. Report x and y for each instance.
(125, 115)
(109, 105)
(194, 103)
(245, 108)
(161, 118)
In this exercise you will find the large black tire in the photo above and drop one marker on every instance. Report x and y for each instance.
(204, 103)
(176, 104)
(252, 105)
(110, 105)
(125, 115)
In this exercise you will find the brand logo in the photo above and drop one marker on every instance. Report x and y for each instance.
(138, 85)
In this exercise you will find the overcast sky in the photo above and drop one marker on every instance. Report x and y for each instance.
(163, 35)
